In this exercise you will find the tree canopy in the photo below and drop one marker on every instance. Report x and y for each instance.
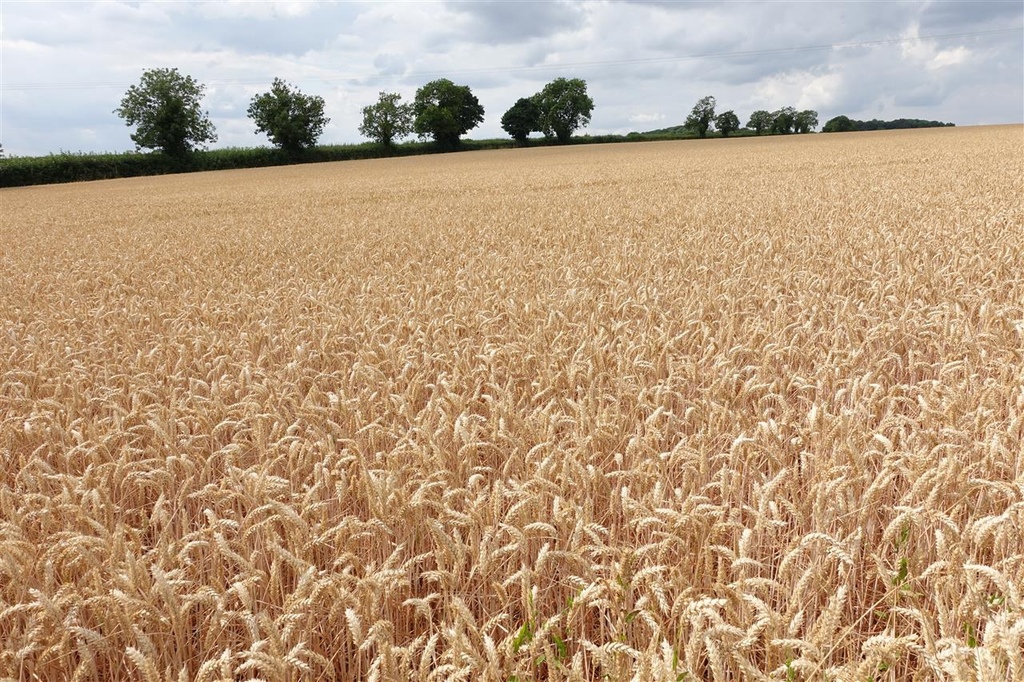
(564, 107)
(165, 110)
(727, 122)
(701, 116)
(805, 121)
(446, 111)
(521, 119)
(760, 121)
(839, 124)
(387, 120)
(290, 119)
(783, 120)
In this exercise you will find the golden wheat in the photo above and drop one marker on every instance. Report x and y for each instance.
(729, 409)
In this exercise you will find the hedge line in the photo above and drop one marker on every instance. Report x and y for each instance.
(68, 167)
(65, 167)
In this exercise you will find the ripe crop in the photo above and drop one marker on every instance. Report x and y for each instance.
(723, 409)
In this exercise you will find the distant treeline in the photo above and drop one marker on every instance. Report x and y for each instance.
(844, 124)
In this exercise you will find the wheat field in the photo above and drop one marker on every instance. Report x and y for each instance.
(744, 409)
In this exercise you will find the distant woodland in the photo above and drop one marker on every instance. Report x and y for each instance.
(843, 124)
(839, 124)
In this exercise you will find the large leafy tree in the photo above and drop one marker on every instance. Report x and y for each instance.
(805, 121)
(760, 121)
(521, 119)
(290, 119)
(783, 120)
(727, 122)
(839, 124)
(701, 116)
(387, 120)
(165, 110)
(564, 107)
(446, 112)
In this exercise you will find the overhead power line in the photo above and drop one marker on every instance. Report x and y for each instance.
(543, 67)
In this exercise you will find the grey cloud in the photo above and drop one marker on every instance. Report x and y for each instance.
(389, 64)
(958, 17)
(790, 23)
(747, 69)
(513, 22)
(881, 84)
(927, 95)
(45, 122)
(742, 43)
(675, 5)
(271, 35)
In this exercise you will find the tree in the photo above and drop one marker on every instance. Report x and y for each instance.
(164, 108)
(564, 107)
(521, 119)
(446, 111)
(805, 121)
(727, 122)
(839, 124)
(760, 121)
(290, 119)
(387, 120)
(783, 120)
(702, 115)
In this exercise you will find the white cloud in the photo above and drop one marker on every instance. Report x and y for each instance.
(820, 92)
(945, 58)
(24, 46)
(647, 118)
(264, 9)
(800, 89)
(924, 52)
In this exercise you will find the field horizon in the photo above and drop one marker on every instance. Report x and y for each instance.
(681, 410)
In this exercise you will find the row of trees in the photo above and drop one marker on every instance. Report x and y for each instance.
(166, 112)
(446, 111)
(559, 110)
(780, 122)
(165, 108)
(441, 109)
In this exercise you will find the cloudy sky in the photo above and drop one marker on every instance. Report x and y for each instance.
(64, 66)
